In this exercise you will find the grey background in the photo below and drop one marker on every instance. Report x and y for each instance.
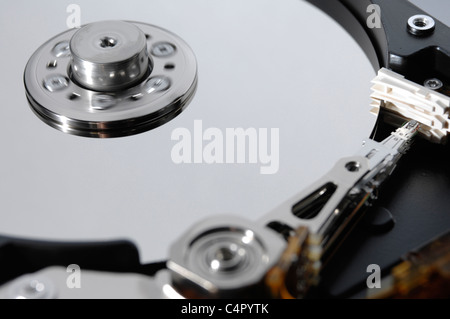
(440, 9)
(262, 64)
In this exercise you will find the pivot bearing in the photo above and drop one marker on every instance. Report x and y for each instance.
(223, 257)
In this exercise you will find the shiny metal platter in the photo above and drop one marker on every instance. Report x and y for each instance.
(284, 68)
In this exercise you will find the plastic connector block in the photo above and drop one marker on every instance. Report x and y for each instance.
(411, 101)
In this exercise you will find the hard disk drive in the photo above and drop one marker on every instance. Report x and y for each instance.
(225, 149)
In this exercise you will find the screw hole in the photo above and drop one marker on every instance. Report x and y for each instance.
(420, 22)
(52, 64)
(136, 97)
(108, 42)
(74, 96)
(169, 66)
(225, 254)
(148, 37)
(353, 166)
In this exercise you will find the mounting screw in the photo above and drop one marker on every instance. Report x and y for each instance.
(157, 84)
(30, 287)
(61, 49)
(163, 49)
(56, 83)
(421, 25)
(102, 102)
(227, 258)
(433, 84)
(108, 42)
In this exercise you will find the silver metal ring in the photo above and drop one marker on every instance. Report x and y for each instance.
(98, 83)
(421, 24)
